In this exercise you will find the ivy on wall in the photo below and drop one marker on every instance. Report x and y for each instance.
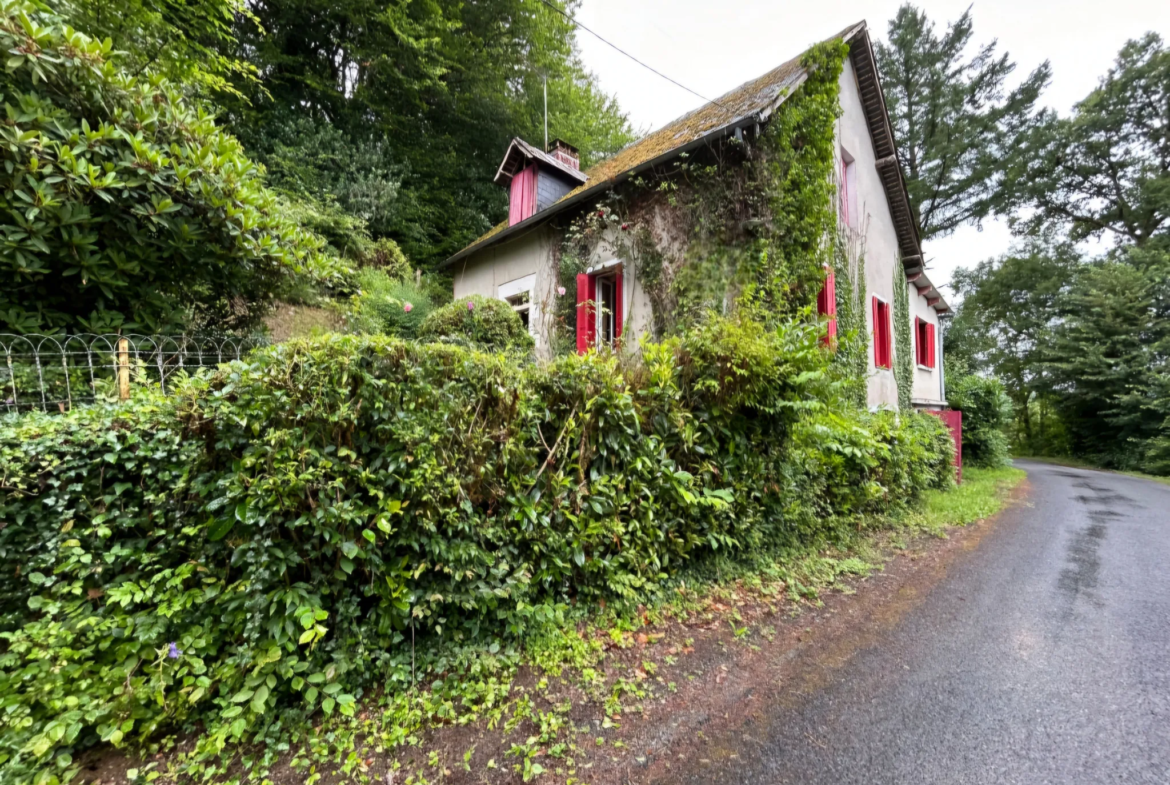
(747, 226)
(852, 356)
(903, 352)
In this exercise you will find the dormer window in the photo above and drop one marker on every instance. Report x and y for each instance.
(536, 179)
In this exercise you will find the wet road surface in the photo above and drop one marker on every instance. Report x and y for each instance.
(1043, 657)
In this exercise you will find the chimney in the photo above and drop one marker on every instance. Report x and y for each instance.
(565, 153)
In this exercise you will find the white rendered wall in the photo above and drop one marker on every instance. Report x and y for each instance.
(871, 214)
(486, 271)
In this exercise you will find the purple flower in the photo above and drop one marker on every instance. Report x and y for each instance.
(173, 651)
(470, 305)
(408, 307)
(560, 291)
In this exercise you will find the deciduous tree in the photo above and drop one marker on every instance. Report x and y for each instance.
(1106, 169)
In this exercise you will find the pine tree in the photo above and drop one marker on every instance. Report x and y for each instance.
(954, 120)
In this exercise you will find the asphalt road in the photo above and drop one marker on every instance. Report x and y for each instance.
(1043, 657)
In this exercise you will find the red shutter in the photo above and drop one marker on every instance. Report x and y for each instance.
(827, 306)
(585, 321)
(618, 305)
(930, 350)
(877, 335)
(883, 354)
(882, 326)
(522, 195)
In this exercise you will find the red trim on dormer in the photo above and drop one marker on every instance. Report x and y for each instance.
(522, 195)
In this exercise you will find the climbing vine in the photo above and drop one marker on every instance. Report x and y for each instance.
(903, 352)
(852, 356)
(747, 225)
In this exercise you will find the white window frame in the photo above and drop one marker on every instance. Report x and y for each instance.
(519, 286)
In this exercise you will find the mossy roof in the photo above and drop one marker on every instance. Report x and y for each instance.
(757, 98)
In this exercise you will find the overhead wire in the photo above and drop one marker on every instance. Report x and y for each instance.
(617, 48)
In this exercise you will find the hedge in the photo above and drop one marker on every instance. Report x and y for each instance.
(263, 544)
(477, 321)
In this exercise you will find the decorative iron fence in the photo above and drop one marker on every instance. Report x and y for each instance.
(54, 373)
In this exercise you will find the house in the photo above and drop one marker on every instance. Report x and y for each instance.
(518, 260)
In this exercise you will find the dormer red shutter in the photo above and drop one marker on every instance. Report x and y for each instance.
(522, 195)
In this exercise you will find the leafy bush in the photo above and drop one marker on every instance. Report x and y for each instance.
(477, 321)
(127, 206)
(261, 546)
(987, 412)
(388, 306)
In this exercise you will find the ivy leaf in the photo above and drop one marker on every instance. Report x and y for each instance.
(219, 528)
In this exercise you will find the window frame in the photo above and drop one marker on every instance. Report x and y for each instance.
(525, 285)
(847, 197)
(924, 344)
(590, 314)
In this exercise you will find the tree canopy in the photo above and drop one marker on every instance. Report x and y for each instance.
(1085, 342)
(125, 205)
(955, 120)
(402, 112)
(1106, 169)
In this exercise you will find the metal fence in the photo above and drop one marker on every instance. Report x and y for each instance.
(54, 373)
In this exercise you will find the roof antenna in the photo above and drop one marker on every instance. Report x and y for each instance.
(546, 113)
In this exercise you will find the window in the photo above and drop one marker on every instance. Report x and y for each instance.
(924, 343)
(883, 353)
(599, 307)
(848, 188)
(521, 303)
(827, 306)
(518, 294)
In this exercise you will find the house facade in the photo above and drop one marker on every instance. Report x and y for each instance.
(517, 261)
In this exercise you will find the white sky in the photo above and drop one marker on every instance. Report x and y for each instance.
(713, 47)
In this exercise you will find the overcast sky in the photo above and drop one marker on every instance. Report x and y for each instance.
(712, 47)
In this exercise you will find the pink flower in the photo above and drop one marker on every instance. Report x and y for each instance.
(470, 305)
(625, 227)
(408, 307)
(560, 291)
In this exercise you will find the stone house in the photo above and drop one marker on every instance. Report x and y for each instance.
(517, 261)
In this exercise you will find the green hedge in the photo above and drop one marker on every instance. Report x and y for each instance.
(477, 321)
(260, 546)
(987, 412)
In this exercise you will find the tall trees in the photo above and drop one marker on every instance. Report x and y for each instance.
(426, 93)
(1093, 336)
(123, 205)
(955, 120)
(1109, 359)
(1106, 169)
(1005, 318)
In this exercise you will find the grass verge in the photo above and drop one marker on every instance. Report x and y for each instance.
(553, 709)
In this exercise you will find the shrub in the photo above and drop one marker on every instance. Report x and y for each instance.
(477, 321)
(127, 206)
(261, 546)
(388, 306)
(987, 411)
